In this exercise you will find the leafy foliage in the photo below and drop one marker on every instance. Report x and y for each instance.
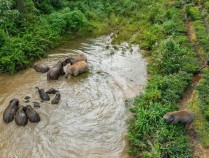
(203, 94)
(193, 12)
(173, 62)
(7, 15)
(30, 35)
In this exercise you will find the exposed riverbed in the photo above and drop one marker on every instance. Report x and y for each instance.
(90, 120)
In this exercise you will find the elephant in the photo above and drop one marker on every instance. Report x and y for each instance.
(10, 111)
(43, 95)
(43, 68)
(183, 116)
(76, 69)
(56, 99)
(32, 115)
(27, 97)
(36, 105)
(21, 117)
(52, 91)
(57, 70)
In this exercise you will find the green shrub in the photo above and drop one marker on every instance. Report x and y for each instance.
(150, 37)
(153, 15)
(202, 35)
(12, 57)
(193, 12)
(207, 115)
(35, 41)
(169, 27)
(203, 90)
(206, 6)
(3, 37)
(171, 58)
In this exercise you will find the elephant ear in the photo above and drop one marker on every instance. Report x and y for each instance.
(11, 101)
(62, 63)
(67, 61)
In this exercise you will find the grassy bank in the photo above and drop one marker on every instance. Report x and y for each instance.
(198, 16)
(163, 34)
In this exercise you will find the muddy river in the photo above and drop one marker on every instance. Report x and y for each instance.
(90, 119)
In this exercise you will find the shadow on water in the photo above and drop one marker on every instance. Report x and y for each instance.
(90, 119)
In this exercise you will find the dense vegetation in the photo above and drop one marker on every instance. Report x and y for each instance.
(198, 14)
(29, 28)
(164, 35)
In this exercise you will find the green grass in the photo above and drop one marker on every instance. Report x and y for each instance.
(200, 123)
(199, 104)
(173, 62)
(202, 91)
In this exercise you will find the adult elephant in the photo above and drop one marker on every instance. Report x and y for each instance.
(43, 68)
(10, 111)
(31, 114)
(76, 69)
(57, 70)
(20, 117)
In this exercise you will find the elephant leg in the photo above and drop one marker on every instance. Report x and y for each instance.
(62, 73)
(175, 121)
(66, 75)
(187, 125)
(76, 73)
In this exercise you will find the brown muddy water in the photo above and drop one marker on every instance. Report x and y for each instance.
(90, 120)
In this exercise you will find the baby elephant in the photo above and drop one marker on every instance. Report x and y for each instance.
(52, 91)
(180, 116)
(76, 69)
(56, 99)
(32, 115)
(43, 95)
(10, 111)
(20, 117)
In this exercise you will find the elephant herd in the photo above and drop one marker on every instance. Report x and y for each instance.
(22, 114)
(74, 65)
